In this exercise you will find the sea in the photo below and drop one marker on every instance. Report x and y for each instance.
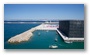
(42, 41)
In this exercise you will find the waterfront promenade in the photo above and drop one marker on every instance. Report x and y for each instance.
(25, 36)
(66, 39)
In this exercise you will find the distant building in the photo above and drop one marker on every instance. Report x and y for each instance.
(72, 28)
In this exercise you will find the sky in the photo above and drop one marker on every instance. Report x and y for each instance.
(43, 11)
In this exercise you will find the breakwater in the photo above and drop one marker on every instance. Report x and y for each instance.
(25, 36)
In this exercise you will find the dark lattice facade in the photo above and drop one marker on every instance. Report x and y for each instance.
(72, 28)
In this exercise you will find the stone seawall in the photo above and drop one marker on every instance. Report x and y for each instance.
(25, 36)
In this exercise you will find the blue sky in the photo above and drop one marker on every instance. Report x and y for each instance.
(43, 11)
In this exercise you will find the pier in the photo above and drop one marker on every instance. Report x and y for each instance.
(25, 36)
(66, 39)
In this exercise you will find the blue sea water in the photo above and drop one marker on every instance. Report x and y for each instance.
(42, 41)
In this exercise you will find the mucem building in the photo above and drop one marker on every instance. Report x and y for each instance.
(72, 28)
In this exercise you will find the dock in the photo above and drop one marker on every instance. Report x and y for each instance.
(66, 39)
(25, 36)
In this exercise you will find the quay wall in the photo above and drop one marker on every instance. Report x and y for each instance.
(25, 36)
(65, 38)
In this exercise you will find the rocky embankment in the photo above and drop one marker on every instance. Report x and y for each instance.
(25, 36)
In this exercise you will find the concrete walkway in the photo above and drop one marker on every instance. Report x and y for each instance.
(65, 38)
(25, 36)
